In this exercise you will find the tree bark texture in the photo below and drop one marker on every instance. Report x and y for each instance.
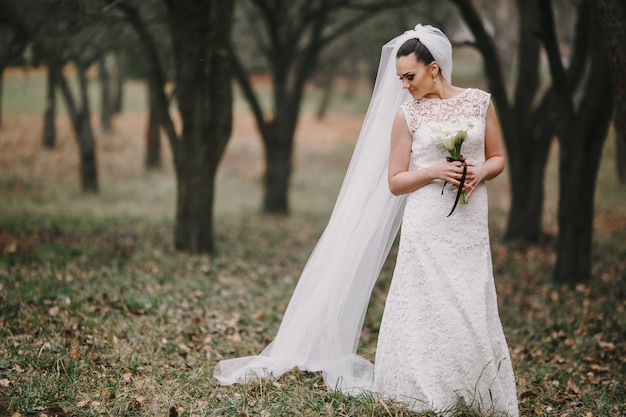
(120, 79)
(106, 103)
(49, 131)
(278, 157)
(153, 133)
(195, 180)
(204, 93)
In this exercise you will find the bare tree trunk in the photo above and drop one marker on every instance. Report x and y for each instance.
(106, 105)
(527, 138)
(620, 156)
(153, 133)
(81, 121)
(194, 200)
(88, 166)
(612, 17)
(120, 79)
(204, 91)
(581, 149)
(327, 92)
(527, 194)
(49, 131)
(86, 139)
(278, 157)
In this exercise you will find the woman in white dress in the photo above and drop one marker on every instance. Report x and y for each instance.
(441, 337)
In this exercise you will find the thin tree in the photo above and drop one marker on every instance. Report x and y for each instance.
(153, 132)
(120, 79)
(49, 126)
(79, 110)
(106, 99)
(611, 15)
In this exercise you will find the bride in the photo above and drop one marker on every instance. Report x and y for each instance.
(440, 339)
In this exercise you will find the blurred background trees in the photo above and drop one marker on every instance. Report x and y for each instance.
(554, 69)
(13, 41)
(63, 33)
(574, 105)
(290, 36)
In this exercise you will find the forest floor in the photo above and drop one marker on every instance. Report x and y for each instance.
(99, 315)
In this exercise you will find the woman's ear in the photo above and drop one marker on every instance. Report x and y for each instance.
(434, 68)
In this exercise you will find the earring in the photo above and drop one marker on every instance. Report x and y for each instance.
(434, 79)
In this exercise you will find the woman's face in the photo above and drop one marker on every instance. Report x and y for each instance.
(416, 77)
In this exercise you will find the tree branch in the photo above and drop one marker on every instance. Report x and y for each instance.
(155, 72)
(243, 78)
(550, 42)
(580, 50)
(72, 108)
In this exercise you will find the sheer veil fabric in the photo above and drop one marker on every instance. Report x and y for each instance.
(322, 324)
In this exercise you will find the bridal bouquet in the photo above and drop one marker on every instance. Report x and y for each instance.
(452, 134)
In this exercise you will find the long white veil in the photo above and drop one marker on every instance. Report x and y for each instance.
(322, 324)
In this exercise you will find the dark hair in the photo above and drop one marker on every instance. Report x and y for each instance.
(415, 46)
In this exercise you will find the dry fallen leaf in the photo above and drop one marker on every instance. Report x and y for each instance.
(573, 387)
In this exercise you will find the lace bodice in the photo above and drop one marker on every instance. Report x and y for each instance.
(427, 204)
(470, 105)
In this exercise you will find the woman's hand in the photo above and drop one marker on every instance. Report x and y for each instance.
(476, 174)
(450, 172)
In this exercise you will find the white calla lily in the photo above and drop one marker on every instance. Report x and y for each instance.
(452, 134)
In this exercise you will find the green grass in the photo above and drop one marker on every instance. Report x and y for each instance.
(100, 316)
(92, 330)
(24, 92)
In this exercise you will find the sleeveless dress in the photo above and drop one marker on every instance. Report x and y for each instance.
(441, 337)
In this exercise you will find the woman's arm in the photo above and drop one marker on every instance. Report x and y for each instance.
(403, 181)
(494, 155)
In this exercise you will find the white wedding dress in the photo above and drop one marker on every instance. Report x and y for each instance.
(441, 336)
